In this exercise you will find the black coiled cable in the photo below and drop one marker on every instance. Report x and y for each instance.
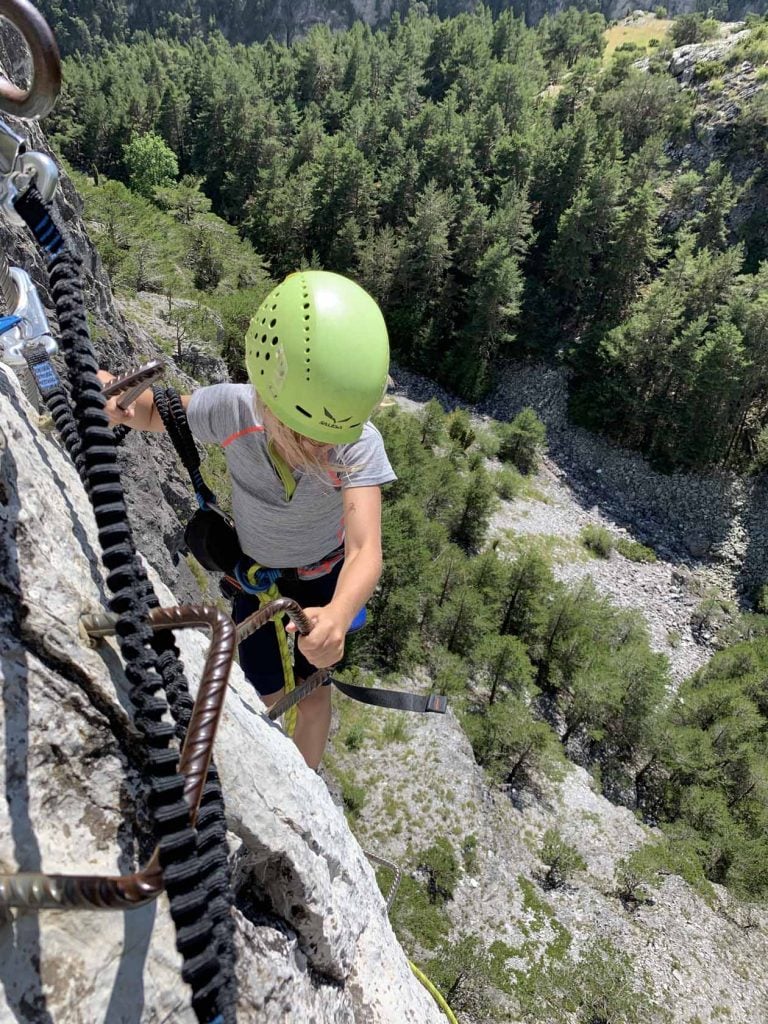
(202, 919)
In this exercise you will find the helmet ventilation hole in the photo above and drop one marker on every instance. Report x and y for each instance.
(304, 412)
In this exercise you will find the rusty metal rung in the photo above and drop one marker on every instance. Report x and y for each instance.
(36, 891)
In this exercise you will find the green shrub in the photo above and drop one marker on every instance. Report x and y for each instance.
(598, 540)
(598, 987)
(508, 483)
(432, 423)
(653, 43)
(642, 872)
(460, 429)
(712, 614)
(355, 736)
(353, 796)
(660, 12)
(469, 853)
(413, 912)
(522, 441)
(674, 639)
(635, 551)
(754, 50)
(708, 69)
(442, 868)
(561, 859)
(465, 969)
(692, 28)
(761, 600)
(488, 441)
(395, 729)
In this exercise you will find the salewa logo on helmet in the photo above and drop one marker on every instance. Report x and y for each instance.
(332, 422)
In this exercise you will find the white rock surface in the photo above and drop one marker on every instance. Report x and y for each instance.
(313, 939)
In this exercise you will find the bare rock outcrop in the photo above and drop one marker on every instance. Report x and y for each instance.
(313, 938)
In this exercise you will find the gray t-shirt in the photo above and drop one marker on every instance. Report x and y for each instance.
(273, 530)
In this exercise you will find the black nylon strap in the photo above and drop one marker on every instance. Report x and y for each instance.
(397, 700)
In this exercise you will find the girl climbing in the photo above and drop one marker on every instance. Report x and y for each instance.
(306, 467)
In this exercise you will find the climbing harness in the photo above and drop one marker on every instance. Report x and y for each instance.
(211, 537)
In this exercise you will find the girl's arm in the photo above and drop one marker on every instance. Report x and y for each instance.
(362, 552)
(141, 414)
(357, 580)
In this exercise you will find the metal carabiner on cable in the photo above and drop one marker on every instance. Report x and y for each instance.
(39, 98)
(26, 322)
(21, 167)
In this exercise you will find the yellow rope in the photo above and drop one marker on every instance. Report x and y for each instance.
(265, 596)
(434, 992)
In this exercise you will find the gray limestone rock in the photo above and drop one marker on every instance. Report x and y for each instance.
(313, 938)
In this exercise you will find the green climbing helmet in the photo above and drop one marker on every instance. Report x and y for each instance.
(317, 353)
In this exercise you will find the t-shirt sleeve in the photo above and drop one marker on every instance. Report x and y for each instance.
(365, 461)
(216, 412)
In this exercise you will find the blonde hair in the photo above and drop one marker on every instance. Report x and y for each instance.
(299, 451)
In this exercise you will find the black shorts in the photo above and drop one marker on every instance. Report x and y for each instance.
(260, 653)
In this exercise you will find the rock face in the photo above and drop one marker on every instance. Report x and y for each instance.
(313, 938)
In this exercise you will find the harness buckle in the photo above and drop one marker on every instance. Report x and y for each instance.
(27, 323)
(437, 703)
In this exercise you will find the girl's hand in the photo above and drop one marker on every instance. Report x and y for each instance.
(115, 414)
(324, 646)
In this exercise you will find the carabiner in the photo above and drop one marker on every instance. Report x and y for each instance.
(20, 167)
(31, 323)
(39, 98)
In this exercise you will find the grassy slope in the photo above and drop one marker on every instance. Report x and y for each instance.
(638, 31)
